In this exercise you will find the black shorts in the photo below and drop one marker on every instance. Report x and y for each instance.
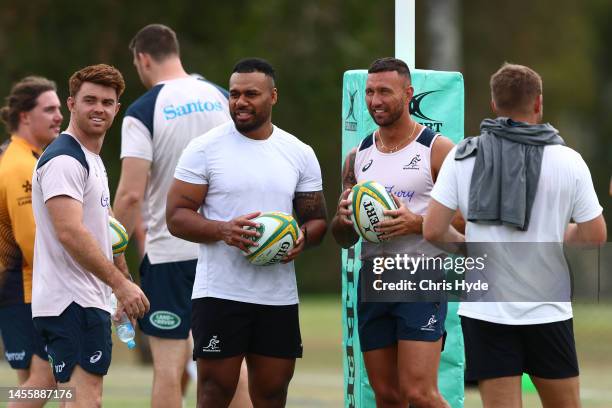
(168, 287)
(78, 336)
(495, 350)
(19, 336)
(226, 328)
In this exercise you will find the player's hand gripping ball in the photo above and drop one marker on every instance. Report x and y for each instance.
(368, 200)
(277, 235)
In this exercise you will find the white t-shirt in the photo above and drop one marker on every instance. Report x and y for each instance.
(245, 176)
(565, 191)
(67, 168)
(157, 127)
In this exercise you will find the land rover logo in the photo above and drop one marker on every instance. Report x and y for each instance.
(165, 320)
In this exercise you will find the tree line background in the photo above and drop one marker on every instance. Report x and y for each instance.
(311, 43)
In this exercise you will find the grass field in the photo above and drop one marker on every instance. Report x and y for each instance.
(318, 379)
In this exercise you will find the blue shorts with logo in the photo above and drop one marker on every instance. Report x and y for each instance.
(382, 324)
(79, 336)
(168, 287)
(20, 339)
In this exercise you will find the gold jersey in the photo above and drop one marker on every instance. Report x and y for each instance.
(17, 228)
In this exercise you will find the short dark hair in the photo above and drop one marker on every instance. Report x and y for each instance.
(248, 65)
(23, 98)
(390, 64)
(157, 40)
(514, 87)
(100, 74)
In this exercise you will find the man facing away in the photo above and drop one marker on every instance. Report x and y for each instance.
(156, 128)
(223, 180)
(401, 358)
(518, 183)
(74, 271)
(32, 116)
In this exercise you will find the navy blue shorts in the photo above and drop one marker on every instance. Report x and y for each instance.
(168, 287)
(383, 324)
(78, 336)
(19, 336)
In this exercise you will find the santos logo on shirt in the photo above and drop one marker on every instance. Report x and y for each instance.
(174, 111)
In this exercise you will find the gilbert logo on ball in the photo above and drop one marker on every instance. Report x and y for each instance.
(119, 236)
(278, 233)
(368, 201)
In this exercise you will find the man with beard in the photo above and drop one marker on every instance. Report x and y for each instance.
(32, 116)
(156, 129)
(401, 341)
(74, 271)
(223, 180)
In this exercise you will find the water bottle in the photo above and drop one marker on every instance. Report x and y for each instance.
(123, 326)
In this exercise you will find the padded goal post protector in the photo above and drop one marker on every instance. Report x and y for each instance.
(438, 103)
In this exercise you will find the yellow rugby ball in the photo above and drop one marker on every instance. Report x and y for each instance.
(278, 233)
(119, 236)
(368, 201)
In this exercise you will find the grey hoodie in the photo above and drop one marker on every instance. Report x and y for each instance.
(506, 171)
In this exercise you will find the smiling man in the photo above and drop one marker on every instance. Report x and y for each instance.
(401, 341)
(157, 127)
(223, 180)
(32, 115)
(74, 271)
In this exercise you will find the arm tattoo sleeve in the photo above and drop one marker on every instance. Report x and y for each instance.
(309, 206)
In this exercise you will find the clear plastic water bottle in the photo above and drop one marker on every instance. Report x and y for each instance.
(123, 326)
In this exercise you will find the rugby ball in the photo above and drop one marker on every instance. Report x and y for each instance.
(368, 200)
(278, 233)
(119, 236)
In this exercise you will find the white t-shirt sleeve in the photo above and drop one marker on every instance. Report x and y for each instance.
(310, 174)
(63, 175)
(191, 167)
(136, 140)
(445, 190)
(586, 205)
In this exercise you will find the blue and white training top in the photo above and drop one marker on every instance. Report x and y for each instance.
(157, 127)
(405, 174)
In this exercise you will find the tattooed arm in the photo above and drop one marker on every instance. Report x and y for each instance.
(184, 221)
(342, 226)
(311, 213)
